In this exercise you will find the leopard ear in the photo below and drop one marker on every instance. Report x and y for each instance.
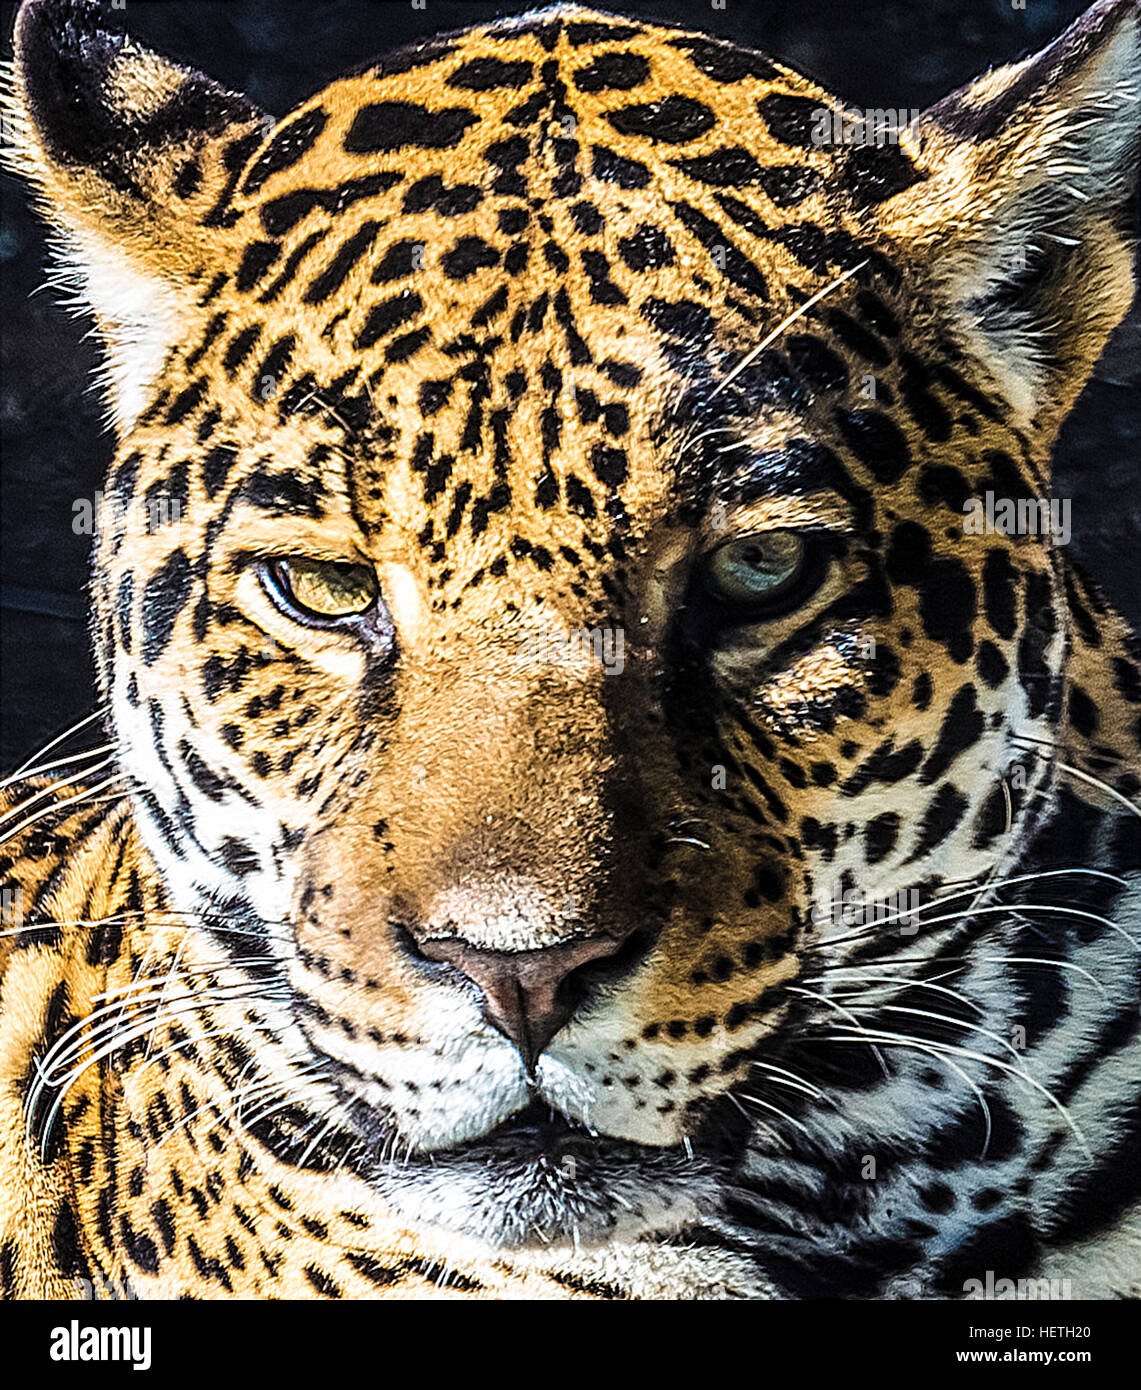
(132, 159)
(1024, 215)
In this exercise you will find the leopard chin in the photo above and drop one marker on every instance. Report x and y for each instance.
(539, 1181)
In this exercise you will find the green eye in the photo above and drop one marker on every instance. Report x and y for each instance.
(760, 570)
(325, 590)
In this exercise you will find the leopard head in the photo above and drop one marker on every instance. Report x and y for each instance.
(534, 575)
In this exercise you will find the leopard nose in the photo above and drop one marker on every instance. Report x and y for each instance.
(521, 989)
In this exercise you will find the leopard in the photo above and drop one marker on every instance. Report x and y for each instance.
(584, 809)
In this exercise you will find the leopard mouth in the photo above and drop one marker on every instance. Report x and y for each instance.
(541, 1181)
(539, 1134)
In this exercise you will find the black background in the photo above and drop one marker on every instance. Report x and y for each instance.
(873, 53)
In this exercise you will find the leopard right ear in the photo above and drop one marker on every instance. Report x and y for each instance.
(133, 159)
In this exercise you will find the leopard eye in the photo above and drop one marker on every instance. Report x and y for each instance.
(323, 590)
(759, 571)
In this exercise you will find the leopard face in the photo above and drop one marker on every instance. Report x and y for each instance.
(533, 578)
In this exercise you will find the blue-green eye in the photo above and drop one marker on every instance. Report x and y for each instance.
(758, 571)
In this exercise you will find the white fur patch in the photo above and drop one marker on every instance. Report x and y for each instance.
(138, 316)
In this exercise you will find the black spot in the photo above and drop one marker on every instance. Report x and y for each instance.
(609, 465)
(884, 764)
(330, 280)
(1008, 1244)
(324, 1285)
(286, 147)
(876, 441)
(937, 1197)
(728, 167)
(385, 317)
(395, 125)
(256, 260)
(164, 597)
(875, 172)
(238, 856)
(674, 120)
(821, 368)
(579, 499)
(792, 120)
(683, 318)
(880, 836)
(283, 494)
(240, 347)
(398, 261)
(469, 254)
(990, 822)
(281, 215)
(602, 289)
(488, 74)
(789, 184)
(998, 592)
(1127, 680)
(857, 337)
(615, 168)
(216, 467)
(140, 1248)
(646, 249)
(940, 819)
(274, 364)
(909, 554)
(928, 412)
(962, 725)
(188, 179)
(944, 484)
(614, 70)
(586, 217)
(587, 31)
(724, 62)
(947, 606)
(433, 194)
(992, 665)
(66, 1247)
(187, 400)
(736, 266)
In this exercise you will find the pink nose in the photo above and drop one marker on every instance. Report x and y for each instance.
(521, 988)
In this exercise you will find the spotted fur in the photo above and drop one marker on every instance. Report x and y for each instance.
(531, 319)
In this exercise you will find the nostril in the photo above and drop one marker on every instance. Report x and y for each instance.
(407, 943)
(580, 983)
(417, 949)
(522, 990)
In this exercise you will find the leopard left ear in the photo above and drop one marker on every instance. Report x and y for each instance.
(132, 159)
(1024, 214)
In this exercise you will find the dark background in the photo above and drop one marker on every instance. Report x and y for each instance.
(873, 53)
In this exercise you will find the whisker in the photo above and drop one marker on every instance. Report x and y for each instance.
(58, 805)
(53, 787)
(58, 762)
(901, 1039)
(844, 1013)
(755, 352)
(21, 771)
